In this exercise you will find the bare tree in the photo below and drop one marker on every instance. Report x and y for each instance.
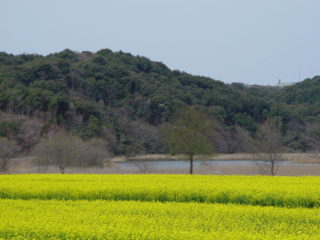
(209, 165)
(93, 152)
(269, 148)
(64, 150)
(8, 150)
(142, 165)
(41, 163)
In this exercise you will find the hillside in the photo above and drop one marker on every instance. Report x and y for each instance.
(127, 99)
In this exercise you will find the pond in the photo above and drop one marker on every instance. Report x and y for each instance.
(183, 164)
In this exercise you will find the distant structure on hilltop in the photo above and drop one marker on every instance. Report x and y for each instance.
(282, 84)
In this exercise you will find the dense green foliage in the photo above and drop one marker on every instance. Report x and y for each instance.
(125, 99)
(159, 207)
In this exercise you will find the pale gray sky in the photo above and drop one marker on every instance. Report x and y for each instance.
(250, 41)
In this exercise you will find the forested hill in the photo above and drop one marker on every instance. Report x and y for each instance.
(306, 92)
(126, 100)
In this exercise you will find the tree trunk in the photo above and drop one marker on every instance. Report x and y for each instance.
(272, 168)
(191, 164)
(62, 169)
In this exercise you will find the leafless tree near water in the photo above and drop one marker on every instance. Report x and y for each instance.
(209, 165)
(269, 148)
(64, 151)
(143, 166)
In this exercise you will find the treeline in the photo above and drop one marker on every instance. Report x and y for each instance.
(126, 100)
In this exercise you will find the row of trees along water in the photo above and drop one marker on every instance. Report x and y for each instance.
(190, 133)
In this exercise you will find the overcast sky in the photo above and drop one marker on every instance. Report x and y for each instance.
(249, 41)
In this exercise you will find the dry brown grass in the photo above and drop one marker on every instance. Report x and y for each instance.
(294, 157)
(301, 157)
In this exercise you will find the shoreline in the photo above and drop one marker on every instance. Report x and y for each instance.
(292, 157)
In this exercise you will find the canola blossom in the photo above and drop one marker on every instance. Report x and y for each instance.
(53, 219)
(154, 207)
(248, 190)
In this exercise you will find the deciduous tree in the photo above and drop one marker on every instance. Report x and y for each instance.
(269, 147)
(64, 150)
(190, 133)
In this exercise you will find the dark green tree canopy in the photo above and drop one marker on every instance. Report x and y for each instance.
(91, 93)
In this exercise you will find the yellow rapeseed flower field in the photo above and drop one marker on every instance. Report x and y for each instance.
(159, 207)
(253, 190)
